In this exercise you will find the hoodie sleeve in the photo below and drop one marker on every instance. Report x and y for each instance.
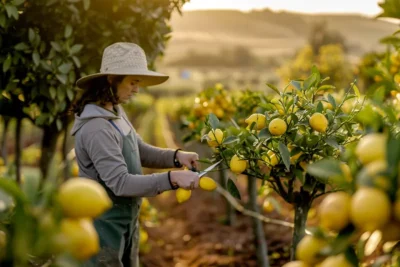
(155, 157)
(105, 152)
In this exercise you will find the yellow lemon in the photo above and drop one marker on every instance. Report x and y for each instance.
(318, 122)
(397, 78)
(258, 118)
(346, 171)
(215, 137)
(277, 127)
(334, 211)
(370, 208)
(183, 195)
(335, 261)
(237, 165)
(296, 264)
(271, 158)
(378, 78)
(370, 175)
(75, 169)
(82, 238)
(371, 147)
(83, 197)
(207, 184)
(308, 248)
(143, 236)
(267, 206)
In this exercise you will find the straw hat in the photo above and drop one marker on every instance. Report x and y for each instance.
(125, 59)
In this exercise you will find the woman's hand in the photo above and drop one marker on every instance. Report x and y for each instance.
(185, 179)
(188, 159)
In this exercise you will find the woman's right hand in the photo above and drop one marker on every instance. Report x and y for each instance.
(185, 179)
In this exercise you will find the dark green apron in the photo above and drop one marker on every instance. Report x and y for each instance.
(118, 227)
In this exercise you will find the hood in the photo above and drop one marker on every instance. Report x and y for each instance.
(92, 111)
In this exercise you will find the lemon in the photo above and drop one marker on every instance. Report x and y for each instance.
(296, 264)
(369, 175)
(346, 171)
(370, 208)
(371, 147)
(258, 118)
(308, 248)
(334, 211)
(207, 183)
(267, 206)
(183, 195)
(271, 158)
(75, 169)
(82, 238)
(318, 122)
(83, 197)
(277, 127)
(237, 165)
(215, 137)
(143, 236)
(335, 261)
(397, 78)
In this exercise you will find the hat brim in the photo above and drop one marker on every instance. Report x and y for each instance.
(146, 78)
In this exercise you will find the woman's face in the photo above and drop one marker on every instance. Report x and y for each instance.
(127, 87)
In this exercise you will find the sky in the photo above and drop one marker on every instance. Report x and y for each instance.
(365, 7)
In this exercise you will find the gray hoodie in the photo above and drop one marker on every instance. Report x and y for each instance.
(98, 149)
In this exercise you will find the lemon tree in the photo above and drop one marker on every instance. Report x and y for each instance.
(282, 134)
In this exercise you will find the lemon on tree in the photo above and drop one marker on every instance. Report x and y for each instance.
(366, 200)
(237, 165)
(81, 236)
(308, 249)
(215, 137)
(334, 211)
(371, 147)
(271, 158)
(335, 261)
(277, 126)
(83, 197)
(371, 176)
(318, 122)
(258, 118)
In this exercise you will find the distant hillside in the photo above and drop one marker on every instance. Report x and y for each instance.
(266, 33)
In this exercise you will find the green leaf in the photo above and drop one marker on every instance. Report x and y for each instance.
(332, 142)
(11, 188)
(230, 140)
(325, 87)
(324, 170)
(18, 2)
(36, 58)
(213, 120)
(59, 124)
(310, 81)
(68, 31)
(296, 84)
(62, 78)
(315, 71)
(12, 11)
(264, 133)
(31, 34)
(285, 154)
(53, 92)
(76, 61)
(232, 189)
(332, 101)
(320, 107)
(56, 46)
(7, 63)
(21, 46)
(299, 175)
(3, 20)
(65, 68)
(273, 87)
(356, 90)
(86, 4)
(70, 93)
(393, 154)
(31, 187)
(76, 48)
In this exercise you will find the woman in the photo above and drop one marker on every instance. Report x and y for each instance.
(109, 151)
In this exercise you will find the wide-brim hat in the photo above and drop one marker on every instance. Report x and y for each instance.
(125, 59)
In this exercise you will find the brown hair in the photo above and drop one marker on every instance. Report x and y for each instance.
(101, 91)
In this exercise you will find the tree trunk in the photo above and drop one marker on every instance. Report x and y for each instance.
(260, 242)
(6, 123)
(18, 150)
(230, 210)
(302, 204)
(49, 143)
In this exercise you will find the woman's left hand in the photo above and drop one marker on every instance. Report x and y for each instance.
(188, 159)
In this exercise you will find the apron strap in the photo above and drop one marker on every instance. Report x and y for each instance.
(115, 126)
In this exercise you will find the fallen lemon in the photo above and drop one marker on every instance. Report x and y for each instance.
(82, 238)
(207, 184)
(258, 118)
(277, 127)
(83, 198)
(183, 195)
(371, 147)
(237, 165)
(318, 122)
(215, 137)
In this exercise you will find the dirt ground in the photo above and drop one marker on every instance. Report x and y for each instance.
(193, 234)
